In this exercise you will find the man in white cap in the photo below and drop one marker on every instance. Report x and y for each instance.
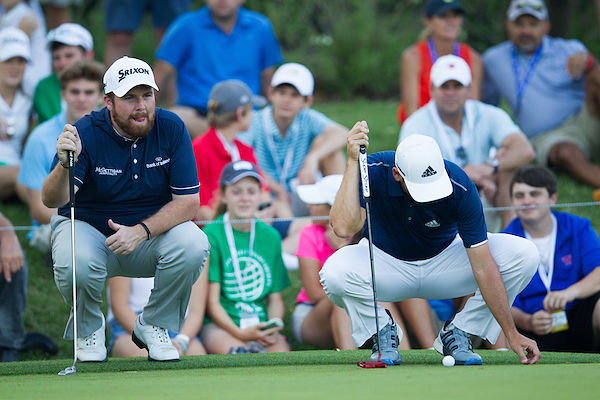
(479, 138)
(136, 192)
(429, 241)
(68, 43)
(552, 87)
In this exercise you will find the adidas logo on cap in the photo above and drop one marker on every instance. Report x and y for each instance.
(428, 172)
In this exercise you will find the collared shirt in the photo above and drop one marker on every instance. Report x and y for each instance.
(577, 253)
(204, 55)
(414, 231)
(484, 126)
(18, 115)
(127, 180)
(295, 145)
(550, 96)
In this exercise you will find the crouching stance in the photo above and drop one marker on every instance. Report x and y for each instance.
(430, 241)
(136, 191)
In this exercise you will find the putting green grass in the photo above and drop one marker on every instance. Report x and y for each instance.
(311, 375)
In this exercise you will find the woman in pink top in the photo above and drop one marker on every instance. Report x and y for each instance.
(316, 320)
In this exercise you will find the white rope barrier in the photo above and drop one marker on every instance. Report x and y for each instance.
(270, 220)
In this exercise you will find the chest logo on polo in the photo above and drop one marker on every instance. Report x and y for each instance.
(108, 171)
(428, 172)
(432, 224)
(158, 161)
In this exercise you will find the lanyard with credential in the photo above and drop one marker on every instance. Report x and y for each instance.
(233, 251)
(282, 171)
(433, 52)
(521, 85)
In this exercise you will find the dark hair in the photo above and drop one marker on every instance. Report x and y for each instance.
(536, 176)
(89, 70)
(58, 45)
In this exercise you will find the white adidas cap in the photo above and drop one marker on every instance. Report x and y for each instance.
(450, 68)
(322, 192)
(296, 75)
(420, 162)
(127, 73)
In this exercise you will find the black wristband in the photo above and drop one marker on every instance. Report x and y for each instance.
(146, 229)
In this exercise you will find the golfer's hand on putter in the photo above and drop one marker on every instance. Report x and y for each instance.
(126, 238)
(357, 137)
(68, 141)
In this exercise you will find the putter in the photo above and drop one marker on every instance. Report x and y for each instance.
(366, 191)
(71, 370)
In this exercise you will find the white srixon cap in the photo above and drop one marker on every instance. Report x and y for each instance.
(450, 68)
(322, 192)
(420, 162)
(127, 73)
(72, 35)
(535, 8)
(14, 43)
(296, 75)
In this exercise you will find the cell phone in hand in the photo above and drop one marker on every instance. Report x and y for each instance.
(273, 323)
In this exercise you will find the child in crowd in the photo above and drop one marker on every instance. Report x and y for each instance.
(246, 272)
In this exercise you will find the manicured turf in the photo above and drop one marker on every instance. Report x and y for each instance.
(308, 375)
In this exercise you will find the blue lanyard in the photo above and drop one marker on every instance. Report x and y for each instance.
(521, 85)
(433, 53)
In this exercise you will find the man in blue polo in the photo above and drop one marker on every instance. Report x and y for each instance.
(136, 192)
(429, 241)
(201, 48)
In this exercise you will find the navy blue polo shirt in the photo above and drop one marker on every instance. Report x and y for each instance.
(413, 231)
(125, 180)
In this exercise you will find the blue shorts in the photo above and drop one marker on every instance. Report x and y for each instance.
(126, 15)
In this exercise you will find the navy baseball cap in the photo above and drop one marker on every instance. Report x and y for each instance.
(234, 171)
(438, 7)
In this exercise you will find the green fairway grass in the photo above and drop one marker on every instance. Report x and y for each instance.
(308, 375)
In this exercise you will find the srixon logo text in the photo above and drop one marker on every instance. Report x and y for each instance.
(124, 72)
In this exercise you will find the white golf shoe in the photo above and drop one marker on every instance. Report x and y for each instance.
(156, 340)
(92, 348)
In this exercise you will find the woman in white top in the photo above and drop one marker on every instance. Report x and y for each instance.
(15, 108)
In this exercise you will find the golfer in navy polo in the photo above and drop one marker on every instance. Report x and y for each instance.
(136, 192)
(430, 241)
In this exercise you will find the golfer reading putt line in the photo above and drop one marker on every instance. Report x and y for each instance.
(429, 241)
(136, 191)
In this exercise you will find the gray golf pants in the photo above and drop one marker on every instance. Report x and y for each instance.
(346, 278)
(174, 258)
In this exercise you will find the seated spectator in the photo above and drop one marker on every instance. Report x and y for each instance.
(560, 307)
(480, 138)
(545, 81)
(27, 16)
(82, 89)
(127, 298)
(294, 144)
(245, 271)
(443, 21)
(68, 43)
(58, 12)
(15, 109)
(123, 19)
(201, 48)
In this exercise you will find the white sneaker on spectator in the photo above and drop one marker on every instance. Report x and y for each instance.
(156, 340)
(92, 348)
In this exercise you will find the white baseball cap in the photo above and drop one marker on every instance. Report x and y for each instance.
(535, 8)
(14, 43)
(296, 75)
(72, 35)
(322, 192)
(450, 68)
(127, 73)
(420, 162)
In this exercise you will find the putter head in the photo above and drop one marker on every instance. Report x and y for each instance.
(68, 371)
(371, 364)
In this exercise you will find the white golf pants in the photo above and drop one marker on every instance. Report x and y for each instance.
(346, 278)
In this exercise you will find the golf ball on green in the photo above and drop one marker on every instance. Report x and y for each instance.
(448, 361)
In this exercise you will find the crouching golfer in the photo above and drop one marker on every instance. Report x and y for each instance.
(136, 191)
(430, 241)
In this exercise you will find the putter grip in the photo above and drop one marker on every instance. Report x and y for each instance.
(364, 172)
(71, 179)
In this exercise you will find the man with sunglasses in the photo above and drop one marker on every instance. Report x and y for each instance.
(480, 138)
(552, 86)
